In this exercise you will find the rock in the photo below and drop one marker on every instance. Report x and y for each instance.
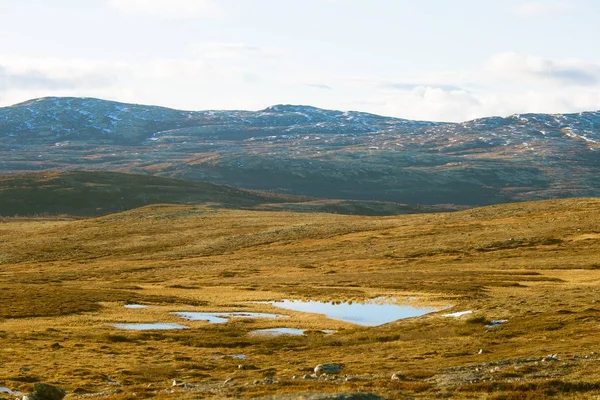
(483, 351)
(56, 346)
(228, 381)
(550, 357)
(398, 376)
(247, 367)
(328, 369)
(309, 376)
(43, 391)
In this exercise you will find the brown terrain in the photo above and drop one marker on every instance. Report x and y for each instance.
(64, 283)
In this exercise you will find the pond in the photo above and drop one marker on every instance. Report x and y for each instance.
(369, 313)
(278, 332)
(223, 317)
(148, 327)
(9, 392)
(135, 306)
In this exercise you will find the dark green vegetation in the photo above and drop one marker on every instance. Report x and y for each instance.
(98, 193)
(309, 151)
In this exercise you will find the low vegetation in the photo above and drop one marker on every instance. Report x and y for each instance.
(535, 266)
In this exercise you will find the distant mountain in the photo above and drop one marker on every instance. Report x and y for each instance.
(309, 151)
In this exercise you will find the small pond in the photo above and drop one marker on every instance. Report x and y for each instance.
(223, 317)
(10, 392)
(135, 306)
(369, 313)
(278, 332)
(148, 327)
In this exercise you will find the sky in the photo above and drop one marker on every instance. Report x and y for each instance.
(437, 60)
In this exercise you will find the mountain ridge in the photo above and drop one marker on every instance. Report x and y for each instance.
(304, 150)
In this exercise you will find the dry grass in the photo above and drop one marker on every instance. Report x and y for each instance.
(64, 283)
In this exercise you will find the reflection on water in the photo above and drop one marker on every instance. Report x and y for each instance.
(135, 306)
(278, 331)
(222, 317)
(148, 327)
(369, 313)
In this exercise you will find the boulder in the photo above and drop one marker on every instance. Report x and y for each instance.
(329, 369)
(43, 391)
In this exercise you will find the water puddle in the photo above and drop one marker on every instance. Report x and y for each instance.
(8, 391)
(496, 322)
(278, 332)
(236, 356)
(135, 306)
(223, 317)
(369, 313)
(458, 314)
(148, 327)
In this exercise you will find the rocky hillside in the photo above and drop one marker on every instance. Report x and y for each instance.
(309, 151)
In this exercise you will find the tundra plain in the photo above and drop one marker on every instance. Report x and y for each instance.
(64, 282)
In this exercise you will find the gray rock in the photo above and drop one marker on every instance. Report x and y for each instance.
(247, 367)
(550, 357)
(398, 376)
(328, 369)
(43, 391)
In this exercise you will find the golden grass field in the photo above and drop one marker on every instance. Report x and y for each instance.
(64, 282)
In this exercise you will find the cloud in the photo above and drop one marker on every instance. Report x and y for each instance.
(173, 9)
(232, 50)
(57, 74)
(505, 84)
(528, 69)
(319, 86)
(536, 8)
(407, 86)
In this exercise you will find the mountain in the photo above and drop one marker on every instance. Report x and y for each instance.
(303, 150)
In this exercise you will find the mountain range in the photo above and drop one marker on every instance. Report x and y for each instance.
(302, 150)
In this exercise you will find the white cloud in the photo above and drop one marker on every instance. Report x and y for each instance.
(536, 8)
(177, 9)
(507, 83)
(533, 70)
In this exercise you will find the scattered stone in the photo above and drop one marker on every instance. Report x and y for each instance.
(398, 376)
(483, 351)
(43, 391)
(247, 367)
(56, 346)
(177, 383)
(328, 369)
(309, 376)
(550, 357)
(228, 381)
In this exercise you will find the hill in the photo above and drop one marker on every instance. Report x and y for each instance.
(303, 150)
(88, 193)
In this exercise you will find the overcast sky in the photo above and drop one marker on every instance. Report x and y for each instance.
(444, 60)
